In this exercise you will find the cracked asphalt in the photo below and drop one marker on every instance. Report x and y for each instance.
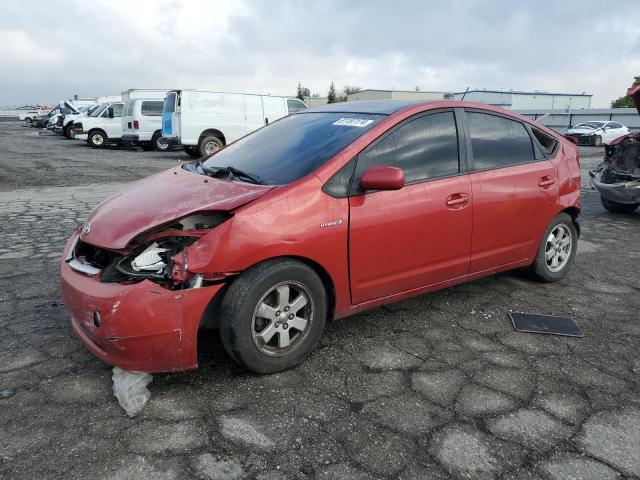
(438, 386)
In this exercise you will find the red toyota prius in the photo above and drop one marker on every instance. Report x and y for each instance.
(325, 213)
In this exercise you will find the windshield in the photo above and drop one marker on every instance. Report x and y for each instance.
(592, 125)
(98, 111)
(293, 147)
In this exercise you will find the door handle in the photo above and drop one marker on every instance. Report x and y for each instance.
(457, 200)
(546, 182)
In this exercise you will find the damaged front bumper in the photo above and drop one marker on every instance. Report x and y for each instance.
(138, 326)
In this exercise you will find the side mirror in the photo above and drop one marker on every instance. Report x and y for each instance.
(110, 112)
(382, 178)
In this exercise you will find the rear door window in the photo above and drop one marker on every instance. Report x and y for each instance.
(424, 148)
(498, 142)
(170, 102)
(151, 109)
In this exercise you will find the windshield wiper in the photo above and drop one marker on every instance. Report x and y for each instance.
(231, 171)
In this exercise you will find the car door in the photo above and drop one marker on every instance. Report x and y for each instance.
(113, 126)
(613, 131)
(419, 235)
(514, 187)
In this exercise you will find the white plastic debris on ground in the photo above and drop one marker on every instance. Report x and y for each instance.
(130, 388)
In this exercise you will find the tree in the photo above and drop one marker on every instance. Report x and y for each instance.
(331, 96)
(626, 101)
(303, 92)
(346, 91)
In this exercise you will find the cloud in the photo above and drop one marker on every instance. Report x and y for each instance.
(103, 47)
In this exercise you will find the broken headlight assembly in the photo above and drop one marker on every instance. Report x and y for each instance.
(161, 254)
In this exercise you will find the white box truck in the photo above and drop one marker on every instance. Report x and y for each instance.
(142, 121)
(203, 121)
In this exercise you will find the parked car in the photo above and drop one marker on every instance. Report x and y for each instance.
(617, 178)
(142, 124)
(102, 127)
(203, 122)
(597, 132)
(322, 214)
(63, 108)
(27, 115)
(67, 122)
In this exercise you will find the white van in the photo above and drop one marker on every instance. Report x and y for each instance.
(102, 126)
(142, 122)
(69, 120)
(204, 121)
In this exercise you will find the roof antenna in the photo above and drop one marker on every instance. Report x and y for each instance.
(464, 94)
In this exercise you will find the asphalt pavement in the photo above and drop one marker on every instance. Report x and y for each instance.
(434, 387)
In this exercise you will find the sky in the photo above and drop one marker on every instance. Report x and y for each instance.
(53, 50)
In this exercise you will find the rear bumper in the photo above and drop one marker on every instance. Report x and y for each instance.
(142, 327)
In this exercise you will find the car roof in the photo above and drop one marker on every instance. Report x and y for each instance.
(380, 107)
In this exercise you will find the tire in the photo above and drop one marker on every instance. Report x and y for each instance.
(28, 120)
(597, 141)
(67, 130)
(192, 151)
(208, 145)
(543, 266)
(616, 207)
(258, 343)
(158, 144)
(97, 138)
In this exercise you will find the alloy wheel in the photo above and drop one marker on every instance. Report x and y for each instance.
(282, 318)
(558, 248)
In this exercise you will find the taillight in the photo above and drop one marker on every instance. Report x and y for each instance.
(136, 125)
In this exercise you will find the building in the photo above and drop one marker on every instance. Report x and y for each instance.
(518, 100)
(315, 101)
(397, 95)
(512, 99)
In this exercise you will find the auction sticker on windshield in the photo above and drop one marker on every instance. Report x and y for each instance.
(353, 122)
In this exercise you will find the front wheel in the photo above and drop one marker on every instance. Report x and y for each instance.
(273, 315)
(97, 139)
(616, 207)
(557, 249)
(597, 141)
(28, 120)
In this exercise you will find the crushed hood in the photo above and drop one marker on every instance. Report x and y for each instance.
(635, 94)
(161, 199)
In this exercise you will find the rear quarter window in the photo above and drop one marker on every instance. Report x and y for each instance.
(546, 142)
(151, 109)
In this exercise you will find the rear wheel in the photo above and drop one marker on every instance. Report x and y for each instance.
(28, 120)
(557, 249)
(97, 138)
(597, 141)
(208, 145)
(616, 207)
(273, 315)
(159, 144)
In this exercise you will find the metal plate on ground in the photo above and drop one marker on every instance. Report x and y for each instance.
(534, 323)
